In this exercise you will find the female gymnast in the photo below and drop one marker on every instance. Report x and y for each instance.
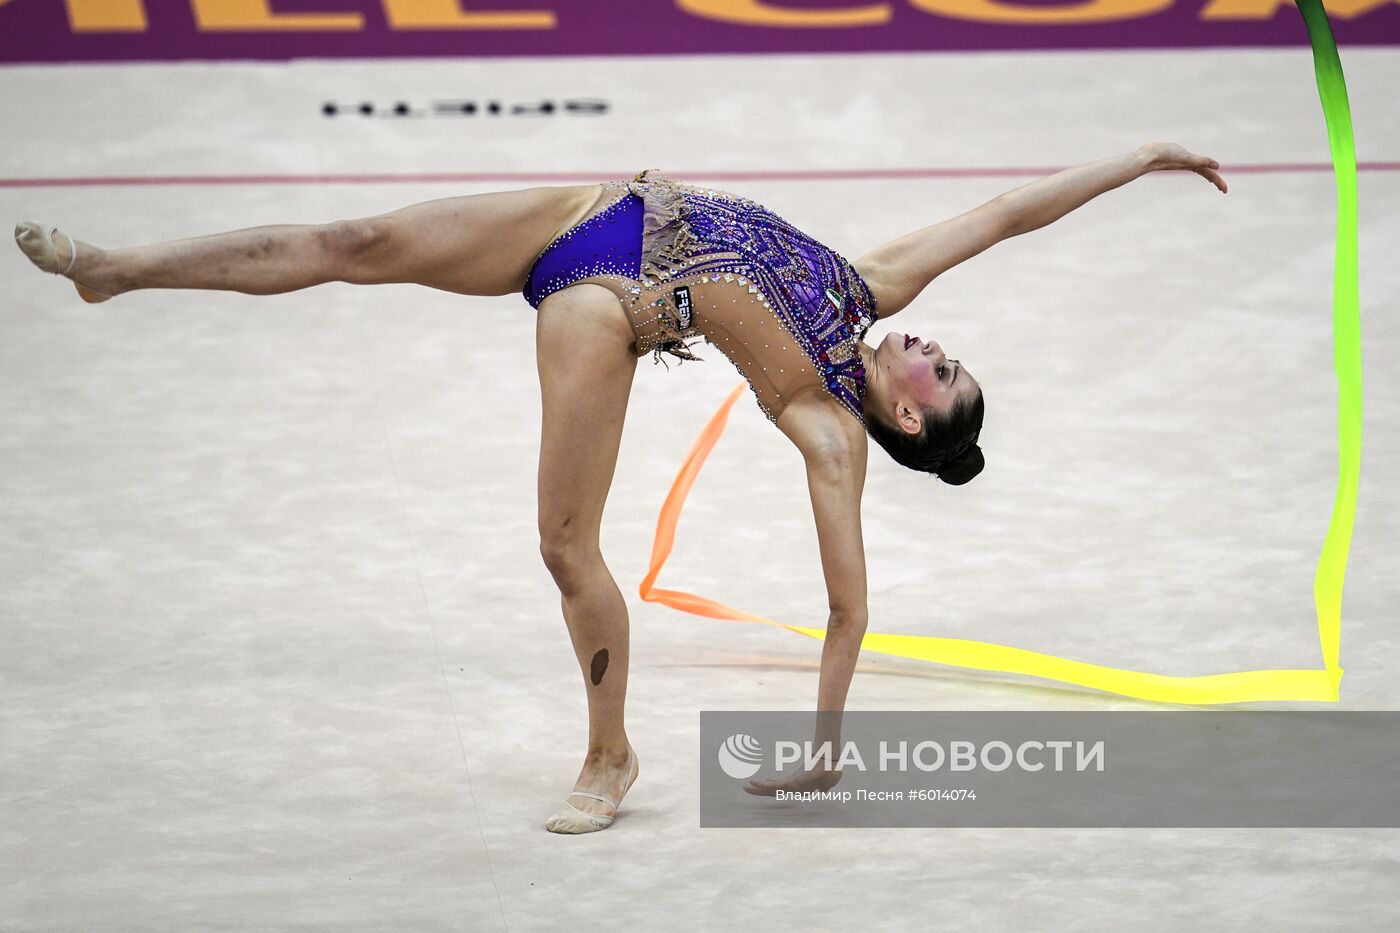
(622, 268)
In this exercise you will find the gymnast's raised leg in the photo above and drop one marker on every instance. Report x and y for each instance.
(475, 245)
(479, 244)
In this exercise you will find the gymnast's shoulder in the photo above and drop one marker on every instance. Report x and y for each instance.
(822, 429)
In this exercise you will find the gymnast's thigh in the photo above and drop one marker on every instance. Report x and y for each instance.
(480, 244)
(586, 366)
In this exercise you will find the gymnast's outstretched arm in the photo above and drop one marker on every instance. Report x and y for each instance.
(899, 270)
(1046, 200)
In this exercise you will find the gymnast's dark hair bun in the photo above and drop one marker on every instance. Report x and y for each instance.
(947, 446)
(962, 468)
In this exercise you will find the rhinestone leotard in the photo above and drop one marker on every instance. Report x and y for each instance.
(686, 262)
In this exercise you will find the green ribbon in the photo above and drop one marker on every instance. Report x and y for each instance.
(1346, 336)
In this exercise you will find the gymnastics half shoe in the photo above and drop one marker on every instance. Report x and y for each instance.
(570, 819)
(37, 243)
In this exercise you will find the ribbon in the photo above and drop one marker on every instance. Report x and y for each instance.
(1321, 685)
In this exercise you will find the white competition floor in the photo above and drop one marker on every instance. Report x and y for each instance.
(277, 649)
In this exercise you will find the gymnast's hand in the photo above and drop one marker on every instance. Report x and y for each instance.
(1165, 157)
(819, 779)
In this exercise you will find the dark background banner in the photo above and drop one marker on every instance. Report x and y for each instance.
(137, 30)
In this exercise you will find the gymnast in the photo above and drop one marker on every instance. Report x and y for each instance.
(623, 268)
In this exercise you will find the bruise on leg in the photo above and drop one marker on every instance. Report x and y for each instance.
(599, 667)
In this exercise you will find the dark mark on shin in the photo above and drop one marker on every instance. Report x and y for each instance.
(599, 666)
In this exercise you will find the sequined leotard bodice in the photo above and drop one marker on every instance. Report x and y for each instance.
(687, 262)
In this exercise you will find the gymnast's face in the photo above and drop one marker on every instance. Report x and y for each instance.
(912, 375)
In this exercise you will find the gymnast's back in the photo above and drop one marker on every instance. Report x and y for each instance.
(690, 262)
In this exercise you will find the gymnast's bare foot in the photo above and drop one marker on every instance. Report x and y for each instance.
(52, 251)
(607, 775)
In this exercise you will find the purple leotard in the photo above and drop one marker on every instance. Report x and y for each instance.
(788, 311)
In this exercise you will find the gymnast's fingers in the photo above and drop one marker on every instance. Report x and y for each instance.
(1214, 177)
(765, 788)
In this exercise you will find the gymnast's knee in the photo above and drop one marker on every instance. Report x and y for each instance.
(356, 248)
(570, 559)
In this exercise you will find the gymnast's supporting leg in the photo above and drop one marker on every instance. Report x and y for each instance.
(474, 245)
(586, 369)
